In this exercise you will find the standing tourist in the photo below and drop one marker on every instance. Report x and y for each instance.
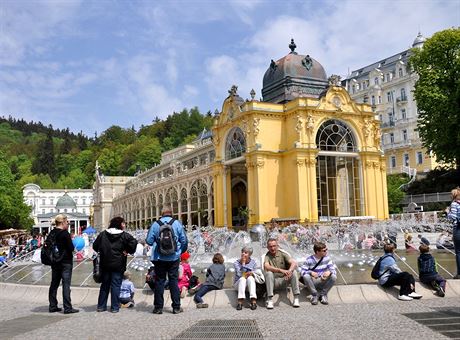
(453, 214)
(63, 269)
(113, 245)
(168, 240)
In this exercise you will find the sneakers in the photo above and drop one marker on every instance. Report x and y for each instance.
(415, 295)
(269, 304)
(202, 305)
(99, 310)
(323, 299)
(404, 298)
(177, 310)
(441, 292)
(157, 311)
(314, 300)
(296, 303)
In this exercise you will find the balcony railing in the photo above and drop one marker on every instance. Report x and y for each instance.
(387, 124)
(401, 100)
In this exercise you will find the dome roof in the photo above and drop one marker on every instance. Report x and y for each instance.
(65, 201)
(419, 40)
(293, 76)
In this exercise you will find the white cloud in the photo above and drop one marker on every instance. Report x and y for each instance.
(26, 26)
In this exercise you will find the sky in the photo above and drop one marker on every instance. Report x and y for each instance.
(88, 65)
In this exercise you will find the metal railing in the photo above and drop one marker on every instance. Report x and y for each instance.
(427, 198)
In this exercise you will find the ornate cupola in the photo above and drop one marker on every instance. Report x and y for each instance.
(293, 76)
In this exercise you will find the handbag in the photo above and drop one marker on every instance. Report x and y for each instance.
(97, 277)
(259, 276)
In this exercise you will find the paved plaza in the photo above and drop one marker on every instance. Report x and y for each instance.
(355, 312)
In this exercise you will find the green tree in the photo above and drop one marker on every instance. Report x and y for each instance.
(44, 163)
(75, 179)
(437, 92)
(66, 146)
(14, 213)
(395, 194)
(110, 159)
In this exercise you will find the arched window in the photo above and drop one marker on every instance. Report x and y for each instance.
(203, 191)
(235, 145)
(333, 135)
(183, 197)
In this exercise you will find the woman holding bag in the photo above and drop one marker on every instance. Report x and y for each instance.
(113, 245)
(244, 278)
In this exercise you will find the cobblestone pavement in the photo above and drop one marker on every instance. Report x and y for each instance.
(20, 319)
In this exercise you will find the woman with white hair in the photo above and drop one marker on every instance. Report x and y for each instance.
(244, 278)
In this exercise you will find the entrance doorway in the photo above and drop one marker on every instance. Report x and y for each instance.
(239, 201)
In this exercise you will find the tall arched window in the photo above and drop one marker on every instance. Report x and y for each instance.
(235, 145)
(337, 171)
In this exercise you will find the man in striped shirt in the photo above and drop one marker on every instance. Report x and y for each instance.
(318, 273)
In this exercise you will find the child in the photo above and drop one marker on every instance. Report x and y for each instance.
(428, 272)
(150, 278)
(185, 273)
(127, 291)
(215, 276)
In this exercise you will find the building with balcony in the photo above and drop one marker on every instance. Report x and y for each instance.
(307, 152)
(387, 86)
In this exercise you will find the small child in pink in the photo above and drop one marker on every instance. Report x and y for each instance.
(185, 273)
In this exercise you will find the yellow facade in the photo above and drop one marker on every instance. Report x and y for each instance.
(281, 159)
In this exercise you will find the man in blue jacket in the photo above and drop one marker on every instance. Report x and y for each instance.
(166, 263)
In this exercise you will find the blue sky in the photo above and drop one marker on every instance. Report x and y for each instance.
(88, 65)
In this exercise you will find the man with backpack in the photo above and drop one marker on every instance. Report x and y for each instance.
(168, 240)
(61, 264)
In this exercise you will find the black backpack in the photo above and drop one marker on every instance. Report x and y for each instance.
(375, 271)
(50, 254)
(167, 244)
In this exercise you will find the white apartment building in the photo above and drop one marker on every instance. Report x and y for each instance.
(387, 85)
(47, 203)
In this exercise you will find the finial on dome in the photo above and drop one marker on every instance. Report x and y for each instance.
(293, 46)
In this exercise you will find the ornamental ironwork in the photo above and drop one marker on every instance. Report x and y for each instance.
(235, 145)
(334, 135)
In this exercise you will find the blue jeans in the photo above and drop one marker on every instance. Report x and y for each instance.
(198, 298)
(60, 272)
(456, 239)
(171, 268)
(111, 282)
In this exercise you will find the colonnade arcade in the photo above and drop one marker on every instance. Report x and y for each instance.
(191, 202)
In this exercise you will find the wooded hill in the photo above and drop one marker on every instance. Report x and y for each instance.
(54, 158)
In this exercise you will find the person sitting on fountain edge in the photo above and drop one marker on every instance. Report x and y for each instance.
(318, 273)
(279, 270)
(391, 275)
